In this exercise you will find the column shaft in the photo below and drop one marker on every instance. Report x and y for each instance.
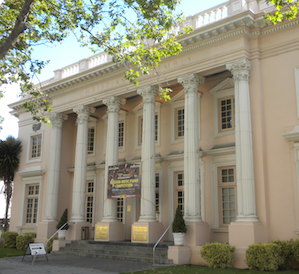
(147, 205)
(192, 198)
(78, 203)
(113, 105)
(54, 167)
(244, 150)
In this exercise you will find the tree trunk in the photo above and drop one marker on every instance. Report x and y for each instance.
(8, 197)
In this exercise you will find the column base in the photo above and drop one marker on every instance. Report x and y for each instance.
(146, 232)
(44, 231)
(244, 234)
(198, 233)
(179, 254)
(109, 231)
(75, 230)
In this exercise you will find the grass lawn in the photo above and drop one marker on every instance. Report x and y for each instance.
(10, 252)
(191, 269)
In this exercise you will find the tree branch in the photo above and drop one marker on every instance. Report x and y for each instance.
(20, 26)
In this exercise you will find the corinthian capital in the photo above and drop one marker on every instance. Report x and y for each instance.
(57, 119)
(191, 82)
(239, 69)
(148, 93)
(113, 103)
(83, 113)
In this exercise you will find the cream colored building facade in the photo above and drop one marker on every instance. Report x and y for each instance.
(225, 148)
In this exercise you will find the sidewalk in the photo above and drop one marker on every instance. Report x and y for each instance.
(68, 265)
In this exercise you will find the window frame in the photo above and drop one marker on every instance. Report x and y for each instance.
(138, 117)
(219, 162)
(92, 123)
(232, 98)
(222, 90)
(32, 135)
(33, 196)
(221, 186)
(87, 195)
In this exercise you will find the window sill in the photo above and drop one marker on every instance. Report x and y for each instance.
(220, 230)
(33, 161)
(224, 133)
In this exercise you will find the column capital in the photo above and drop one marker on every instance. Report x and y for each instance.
(240, 69)
(113, 103)
(57, 119)
(191, 82)
(83, 113)
(148, 93)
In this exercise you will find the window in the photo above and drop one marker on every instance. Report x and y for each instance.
(91, 139)
(32, 192)
(121, 134)
(89, 201)
(90, 146)
(179, 190)
(120, 209)
(157, 198)
(224, 108)
(140, 126)
(227, 193)
(34, 152)
(179, 122)
(227, 113)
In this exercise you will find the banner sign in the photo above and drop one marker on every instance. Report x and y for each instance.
(124, 181)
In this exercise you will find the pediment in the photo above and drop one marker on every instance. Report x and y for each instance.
(228, 83)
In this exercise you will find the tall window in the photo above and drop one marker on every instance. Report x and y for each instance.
(32, 192)
(227, 192)
(140, 126)
(89, 201)
(121, 134)
(180, 116)
(120, 209)
(90, 145)
(36, 146)
(227, 113)
(157, 199)
(179, 190)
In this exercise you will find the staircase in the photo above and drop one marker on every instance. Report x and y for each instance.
(125, 250)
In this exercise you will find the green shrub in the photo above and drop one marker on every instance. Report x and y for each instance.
(264, 257)
(31, 233)
(178, 224)
(50, 244)
(295, 250)
(24, 240)
(9, 238)
(285, 253)
(62, 221)
(218, 255)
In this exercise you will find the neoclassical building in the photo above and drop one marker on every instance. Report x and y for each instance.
(225, 148)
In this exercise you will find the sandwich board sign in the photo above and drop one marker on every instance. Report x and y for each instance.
(35, 250)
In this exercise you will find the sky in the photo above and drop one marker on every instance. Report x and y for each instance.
(61, 55)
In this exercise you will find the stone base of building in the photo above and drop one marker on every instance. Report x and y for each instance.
(75, 230)
(198, 233)
(57, 244)
(44, 231)
(146, 232)
(109, 231)
(179, 254)
(244, 234)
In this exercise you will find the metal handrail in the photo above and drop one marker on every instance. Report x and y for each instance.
(154, 248)
(56, 233)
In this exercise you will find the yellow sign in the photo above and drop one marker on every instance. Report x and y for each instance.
(102, 232)
(128, 208)
(140, 233)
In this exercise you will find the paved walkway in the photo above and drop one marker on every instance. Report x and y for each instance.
(68, 265)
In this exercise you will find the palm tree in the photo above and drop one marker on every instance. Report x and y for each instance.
(10, 150)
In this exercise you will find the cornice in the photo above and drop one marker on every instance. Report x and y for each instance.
(245, 23)
(292, 136)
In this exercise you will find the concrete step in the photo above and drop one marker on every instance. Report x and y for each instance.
(124, 250)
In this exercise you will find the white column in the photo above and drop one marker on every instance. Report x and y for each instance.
(78, 203)
(113, 105)
(56, 120)
(190, 83)
(147, 201)
(244, 152)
